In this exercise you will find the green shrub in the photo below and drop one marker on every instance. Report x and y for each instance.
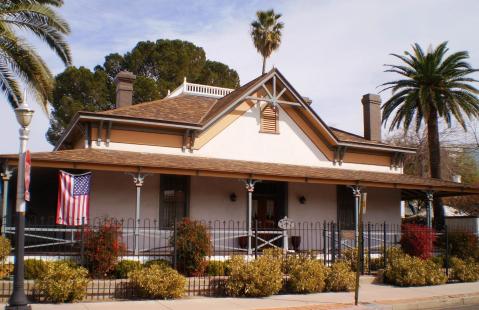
(218, 268)
(62, 283)
(406, 270)
(259, 278)
(461, 244)
(126, 266)
(159, 262)
(464, 270)
(193, 244)
(34, 268)
(158, 282)
(5, 248)
(306, 275)
(339, 277)
(103, 246)
(350, 256)
(5, 270)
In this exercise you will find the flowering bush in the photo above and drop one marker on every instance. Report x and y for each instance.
(417, 240)
(158, 282)
(103, 247)
(192, 245)
(61, 282)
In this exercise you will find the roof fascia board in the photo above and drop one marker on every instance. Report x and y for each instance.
(67, 132)
(377, 147)
(207, 172)
(127, 120)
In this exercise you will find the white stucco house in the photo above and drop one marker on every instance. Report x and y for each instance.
(259, 152)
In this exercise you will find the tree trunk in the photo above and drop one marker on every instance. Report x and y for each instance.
(264, 65)
(435, 163)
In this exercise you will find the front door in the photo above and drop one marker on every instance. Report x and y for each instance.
(269, 203)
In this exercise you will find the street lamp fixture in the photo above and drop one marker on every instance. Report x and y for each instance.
(18, 300)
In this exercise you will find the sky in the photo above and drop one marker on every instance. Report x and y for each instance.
(332, 51)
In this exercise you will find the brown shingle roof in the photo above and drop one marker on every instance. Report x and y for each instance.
(182, 109)
(345, 136)
(196, 165)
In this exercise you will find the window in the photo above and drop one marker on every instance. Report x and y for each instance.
(269, 119)
(174, 192)
(346, 205)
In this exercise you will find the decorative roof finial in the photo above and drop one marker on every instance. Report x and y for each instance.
(184, 80)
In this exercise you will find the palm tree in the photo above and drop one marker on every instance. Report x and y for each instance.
(266, 33)
(433, 86)
(19, 62)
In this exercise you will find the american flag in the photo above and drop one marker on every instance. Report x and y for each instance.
(73, 198)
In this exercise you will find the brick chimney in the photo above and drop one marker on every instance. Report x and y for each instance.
(124, 88)
(372, 116)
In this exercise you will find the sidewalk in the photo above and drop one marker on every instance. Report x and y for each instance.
(372, 296)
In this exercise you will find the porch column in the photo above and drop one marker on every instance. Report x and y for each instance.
(357, 196)
(6, 175)
(250, 188)
(430, 199)
(138, 179)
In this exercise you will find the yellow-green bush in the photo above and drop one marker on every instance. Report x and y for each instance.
(306, 275)
(5, 270)
(62, 283)
(406, 270)
(350, 256)
(124, 267)
(262, 277)
(5, 248)
(464, 270)
(339, 277)
(34, 268)
(218, 268)
(158, 281)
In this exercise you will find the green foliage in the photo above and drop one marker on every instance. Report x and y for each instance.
(20, 63)
(306, 275)
(5, 248)
(218, 268)
(103, 246)
(193, 244)
(160, 262)
(158, 282)
(78, 89)
(350, 256)
(464, 270)
(124, 267)
(35, 268)
(266, 33)
(5, 270)
(259, 278)
(339, 277)
(406, 270)
(159, 66)
(62, 283)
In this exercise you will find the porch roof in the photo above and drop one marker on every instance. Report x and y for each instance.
(123, 161)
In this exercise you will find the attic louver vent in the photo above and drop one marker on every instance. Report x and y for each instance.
(269, 120)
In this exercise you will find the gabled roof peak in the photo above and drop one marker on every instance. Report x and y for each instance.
(199, 90)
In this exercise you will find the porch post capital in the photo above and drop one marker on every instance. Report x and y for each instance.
(430, 195)
(356, 190)
(249, 184)
(6, 174)
(138, 179)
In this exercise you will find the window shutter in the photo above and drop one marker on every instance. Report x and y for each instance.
(269, 120)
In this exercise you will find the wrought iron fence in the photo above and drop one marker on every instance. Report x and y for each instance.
(148, 240)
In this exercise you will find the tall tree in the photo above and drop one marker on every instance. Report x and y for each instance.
(160, 66)
(266, 33)
(18, 60)
(432, 86)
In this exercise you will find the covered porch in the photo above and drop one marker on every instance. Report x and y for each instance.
(241, 203)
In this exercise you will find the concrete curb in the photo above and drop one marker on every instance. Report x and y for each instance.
(449, 301)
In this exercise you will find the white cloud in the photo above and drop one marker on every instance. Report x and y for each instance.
(332, 51)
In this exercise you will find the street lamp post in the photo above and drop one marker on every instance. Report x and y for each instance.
(18, 300)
